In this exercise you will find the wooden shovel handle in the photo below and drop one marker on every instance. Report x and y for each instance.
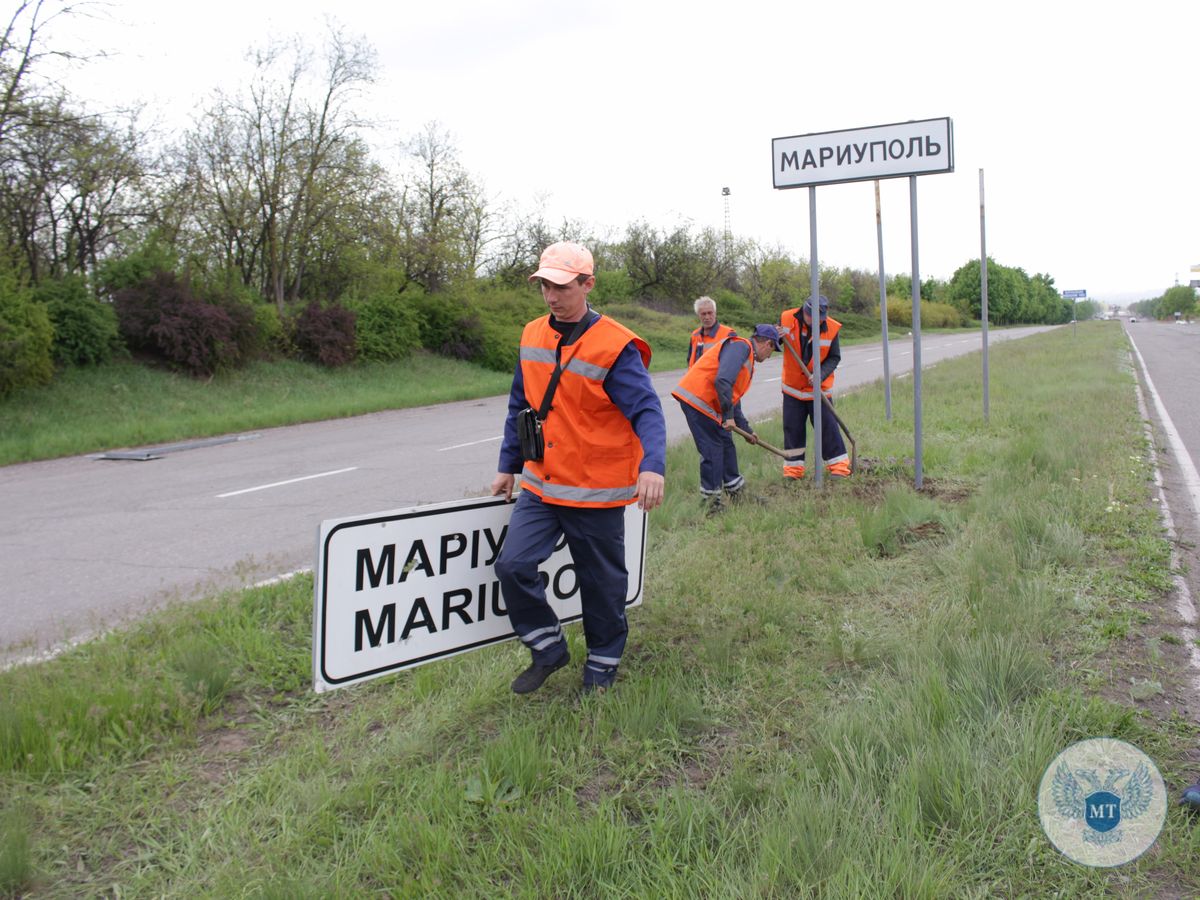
(785, 454)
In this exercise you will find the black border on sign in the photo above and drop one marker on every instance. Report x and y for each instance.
(949, 154)
(417, 513)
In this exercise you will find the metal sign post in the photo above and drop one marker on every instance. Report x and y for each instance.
(860, 154)
(814, 337)
(918, 442)
(1074, 297)
(983, 293)
(883, 321)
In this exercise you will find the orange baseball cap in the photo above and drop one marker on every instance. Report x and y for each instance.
(563, 262)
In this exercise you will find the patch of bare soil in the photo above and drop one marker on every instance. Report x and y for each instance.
(225, 743)
(922, 532)
(947, 491)
(591, 791)
(1150, 670)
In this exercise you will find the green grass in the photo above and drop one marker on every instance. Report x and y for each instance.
(124, 404)
(850, 692)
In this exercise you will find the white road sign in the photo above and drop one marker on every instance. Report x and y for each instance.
(859, 154)
(397, 589)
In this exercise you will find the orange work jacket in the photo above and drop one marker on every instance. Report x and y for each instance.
(592, 453)
(795, 381)
(701, 343)
(698, 388)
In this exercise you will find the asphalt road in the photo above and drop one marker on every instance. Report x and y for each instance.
(1170, 355)
(86, 543)
(1168, 358)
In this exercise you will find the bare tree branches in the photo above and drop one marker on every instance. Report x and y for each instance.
(266, 166)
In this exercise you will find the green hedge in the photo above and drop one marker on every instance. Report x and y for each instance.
(85, 330)
(387, 326)
(26, 338)
(933, 315)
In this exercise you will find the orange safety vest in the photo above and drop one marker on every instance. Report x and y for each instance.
(698, 388)
(592, 453)
(795, 381)
(701, 342)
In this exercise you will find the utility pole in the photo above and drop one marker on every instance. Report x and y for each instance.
(725, 194)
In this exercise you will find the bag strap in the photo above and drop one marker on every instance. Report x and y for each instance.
(553, 385)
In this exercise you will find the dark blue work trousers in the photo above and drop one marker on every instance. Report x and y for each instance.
(596, 539)
(718, 457)
(797, 414)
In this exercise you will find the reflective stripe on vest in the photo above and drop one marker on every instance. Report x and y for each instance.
(577, 496)
(698, 387)
(795, 382)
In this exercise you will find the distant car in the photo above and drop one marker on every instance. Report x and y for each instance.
(1132, 319)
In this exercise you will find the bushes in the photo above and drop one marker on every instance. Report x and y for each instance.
(502, 313)
(857, 325)
(162, 317)
(933, 315)
(26, 338)
(733, 309)
(135, 268)
(85, 331)
(387, 327)
(325, 335)
(273, 337)
(449, 326)
(612, 286)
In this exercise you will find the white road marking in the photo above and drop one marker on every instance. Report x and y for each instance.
(1184, 604)
(285, 576)
(263, 487)
(498, 437)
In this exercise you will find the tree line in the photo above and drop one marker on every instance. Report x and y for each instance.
(271, 226)
(1179, 300)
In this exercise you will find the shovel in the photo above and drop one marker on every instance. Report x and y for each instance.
(836, 417)
(785, 454)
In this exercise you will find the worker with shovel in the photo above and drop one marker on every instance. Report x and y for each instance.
(798, 388)
(709, 395)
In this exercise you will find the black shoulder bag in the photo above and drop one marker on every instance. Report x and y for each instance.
(529, 420)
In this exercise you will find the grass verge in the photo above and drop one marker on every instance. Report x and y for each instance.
(851, 692)
(125, 404)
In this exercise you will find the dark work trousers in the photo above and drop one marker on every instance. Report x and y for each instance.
(718, 457)
(596, 539)
(796, 416)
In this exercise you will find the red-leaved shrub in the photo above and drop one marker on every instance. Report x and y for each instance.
(161, 316)
(325, 334)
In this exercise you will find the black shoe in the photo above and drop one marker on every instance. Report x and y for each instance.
(533, 677)
(602, 686)
(598, 680)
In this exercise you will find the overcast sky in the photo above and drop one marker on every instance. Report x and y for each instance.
(1084, 116)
